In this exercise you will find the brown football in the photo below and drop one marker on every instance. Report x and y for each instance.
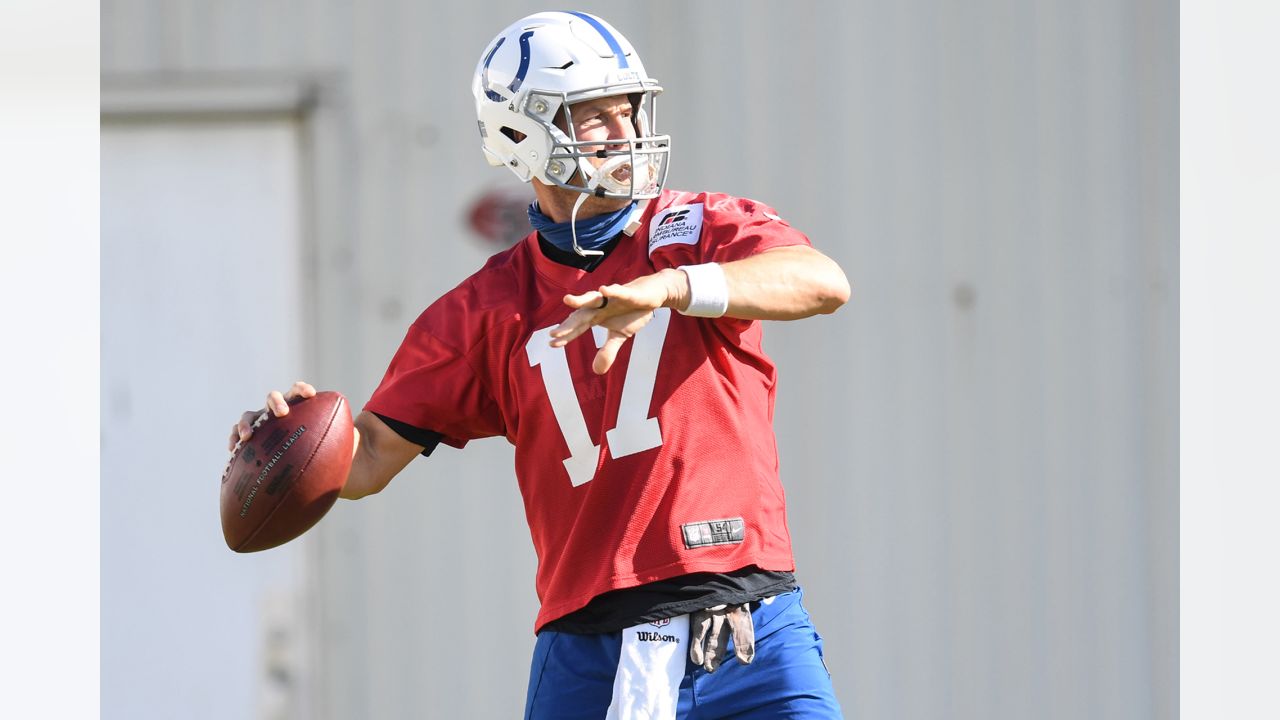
(279, 483)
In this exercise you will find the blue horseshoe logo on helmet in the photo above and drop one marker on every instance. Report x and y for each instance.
(520, 72)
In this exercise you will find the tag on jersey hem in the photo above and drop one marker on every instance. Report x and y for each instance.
(729, 531)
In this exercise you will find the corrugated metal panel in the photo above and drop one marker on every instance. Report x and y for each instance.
(979, 450)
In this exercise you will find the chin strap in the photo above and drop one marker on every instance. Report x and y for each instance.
(573, 227)
(602, 175)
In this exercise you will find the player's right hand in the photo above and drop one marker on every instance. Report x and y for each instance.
(622, 310)
(277, 404)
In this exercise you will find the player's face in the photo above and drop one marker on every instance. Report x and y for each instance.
(603, 119)
(596, 121)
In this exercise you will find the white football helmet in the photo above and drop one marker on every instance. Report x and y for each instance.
(544, 63)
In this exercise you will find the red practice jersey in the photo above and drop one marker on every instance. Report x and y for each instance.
(665, 465)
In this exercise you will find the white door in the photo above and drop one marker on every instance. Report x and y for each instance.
(201, 315)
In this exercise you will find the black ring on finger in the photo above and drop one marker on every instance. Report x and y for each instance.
(604, 302)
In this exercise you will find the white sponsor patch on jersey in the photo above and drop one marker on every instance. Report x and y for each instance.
(677, 224)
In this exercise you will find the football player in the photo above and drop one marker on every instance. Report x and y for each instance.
(618, 347)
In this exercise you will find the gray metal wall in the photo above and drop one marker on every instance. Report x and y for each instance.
(979, 451)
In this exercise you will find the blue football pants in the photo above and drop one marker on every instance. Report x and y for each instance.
(571, 677)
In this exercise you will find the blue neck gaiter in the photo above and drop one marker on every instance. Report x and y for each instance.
(593, 232)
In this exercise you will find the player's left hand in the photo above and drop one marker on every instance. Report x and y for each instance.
(621, 309)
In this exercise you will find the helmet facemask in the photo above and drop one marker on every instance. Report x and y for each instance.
(633, 168)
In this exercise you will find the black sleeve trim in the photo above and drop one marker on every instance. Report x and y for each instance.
(428, 439)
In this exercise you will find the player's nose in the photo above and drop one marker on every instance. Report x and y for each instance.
(620, 127)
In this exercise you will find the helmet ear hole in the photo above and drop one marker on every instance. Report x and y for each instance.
(515, 135)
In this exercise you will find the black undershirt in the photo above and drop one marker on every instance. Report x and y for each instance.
(617, 609)
(573, 259)
(428, 439)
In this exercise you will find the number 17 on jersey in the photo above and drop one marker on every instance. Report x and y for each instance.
(634, 431)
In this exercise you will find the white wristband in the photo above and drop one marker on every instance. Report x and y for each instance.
(708, 290)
